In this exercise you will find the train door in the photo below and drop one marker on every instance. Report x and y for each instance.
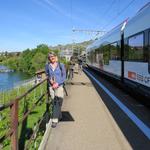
(122, 57)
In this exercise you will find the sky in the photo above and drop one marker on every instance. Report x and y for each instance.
(28, 23)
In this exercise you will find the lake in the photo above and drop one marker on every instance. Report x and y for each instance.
(10, 79)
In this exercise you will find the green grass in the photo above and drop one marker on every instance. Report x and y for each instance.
(32, 119)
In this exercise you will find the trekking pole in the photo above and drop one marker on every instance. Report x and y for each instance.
(65, 89)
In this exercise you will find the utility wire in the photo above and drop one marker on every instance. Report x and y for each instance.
(109, 8)
(71, 21)
(118, 14)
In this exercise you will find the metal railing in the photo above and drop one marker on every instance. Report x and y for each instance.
(13, 105)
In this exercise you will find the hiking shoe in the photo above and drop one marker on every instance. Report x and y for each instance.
(60, 117)
(54, 124)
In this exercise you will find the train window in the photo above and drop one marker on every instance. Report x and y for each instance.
(135, 51)
(114, 51)
(88, 57)
(93, 56)
(97, 51)
(106, 54)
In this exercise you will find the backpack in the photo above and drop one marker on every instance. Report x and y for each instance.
(60, 67)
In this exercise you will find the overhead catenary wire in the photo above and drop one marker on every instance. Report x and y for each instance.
(109, 8)
(119, 13)
(71, 22)
(90, 31)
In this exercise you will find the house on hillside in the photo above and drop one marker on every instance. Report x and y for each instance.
(66, 53)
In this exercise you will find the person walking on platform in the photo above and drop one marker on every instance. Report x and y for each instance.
(56, 74)
(80, 66)
(71, 69)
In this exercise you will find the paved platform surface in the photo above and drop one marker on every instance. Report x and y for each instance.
(87, 123)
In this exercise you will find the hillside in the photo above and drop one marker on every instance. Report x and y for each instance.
(69, 46)
(31, 60)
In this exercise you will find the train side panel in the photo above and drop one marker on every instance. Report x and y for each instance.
(137, 72)
(137, 48)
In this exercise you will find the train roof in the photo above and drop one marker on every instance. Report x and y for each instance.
(138, 23)
(107, 38)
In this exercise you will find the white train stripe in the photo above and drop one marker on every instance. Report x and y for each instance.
(144, 128)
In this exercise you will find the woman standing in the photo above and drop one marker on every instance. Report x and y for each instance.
(56, 74)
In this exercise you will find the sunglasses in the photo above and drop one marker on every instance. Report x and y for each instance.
(52, 56)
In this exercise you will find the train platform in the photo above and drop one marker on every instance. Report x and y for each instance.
(87, 124)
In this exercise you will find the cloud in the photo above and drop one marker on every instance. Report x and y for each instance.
(40, 3)
(52, 6)
(57, 9)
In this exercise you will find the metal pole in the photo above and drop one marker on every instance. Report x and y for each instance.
(14, 125)
(47, 103)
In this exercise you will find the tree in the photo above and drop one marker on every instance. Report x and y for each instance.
(42, 48)
(38, 61)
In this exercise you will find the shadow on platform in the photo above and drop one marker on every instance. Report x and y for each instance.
(81, 83)
(66, 116)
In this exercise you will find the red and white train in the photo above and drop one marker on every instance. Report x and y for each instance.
(124, 52)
